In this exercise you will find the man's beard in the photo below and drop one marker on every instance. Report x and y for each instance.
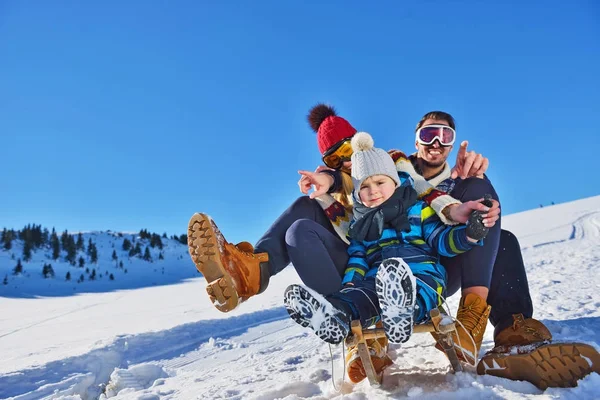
(430, 164)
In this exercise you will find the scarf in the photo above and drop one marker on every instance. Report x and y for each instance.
(369, 222)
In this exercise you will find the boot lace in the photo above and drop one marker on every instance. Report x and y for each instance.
(520, 323)
(470, 318)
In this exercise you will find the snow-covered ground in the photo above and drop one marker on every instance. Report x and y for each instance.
(168, 341)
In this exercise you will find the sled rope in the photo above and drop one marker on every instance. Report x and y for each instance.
(332, 365)
(445, 303)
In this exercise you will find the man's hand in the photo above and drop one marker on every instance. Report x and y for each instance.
(469, 163)
(461, 212)
(320, 181)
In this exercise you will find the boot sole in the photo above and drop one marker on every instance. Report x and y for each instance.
(203, 247)
(309, 312)
(396, 289)
(549, 365)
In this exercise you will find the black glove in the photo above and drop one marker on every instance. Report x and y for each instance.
(475, 228)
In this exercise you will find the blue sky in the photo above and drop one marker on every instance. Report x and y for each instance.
(125, 115)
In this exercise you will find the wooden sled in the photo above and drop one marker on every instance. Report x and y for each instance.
(443, 327)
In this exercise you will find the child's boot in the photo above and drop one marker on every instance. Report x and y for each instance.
(312, 310)
(397, 292)
(233, 273)
(378, 352)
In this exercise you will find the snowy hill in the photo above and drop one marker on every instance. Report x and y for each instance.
(169, 342)
(169, 263)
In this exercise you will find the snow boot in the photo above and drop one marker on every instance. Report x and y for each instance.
(525, 351)
(378, 352)
(312, 310)
(396, 289)
(473, 313)
(233, 273)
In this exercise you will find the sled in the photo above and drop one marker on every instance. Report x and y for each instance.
(440, 324)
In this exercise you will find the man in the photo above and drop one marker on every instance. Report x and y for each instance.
(493, 277)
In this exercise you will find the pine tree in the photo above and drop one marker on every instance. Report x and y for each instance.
(79, 245)
(147, 256)
(135, 250)
(5, 281)
(6, 240)
(64, 238)
(71, 249)
(160, 256)
(93, 275)
(55, 244)
(18, 268)
(45, 236)
(126, 244)
(81, 278)
(93, 253)
(114, 255)
(155, 241)
(111, 277)
(48, 271)
(183, 239)
(27, 251)
(164, 235)
(68, 277)
(81, 262)
(121, 264)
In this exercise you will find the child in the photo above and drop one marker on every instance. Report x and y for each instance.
(395, 242)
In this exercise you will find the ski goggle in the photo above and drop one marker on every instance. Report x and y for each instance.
(443, 133)
(340, 152)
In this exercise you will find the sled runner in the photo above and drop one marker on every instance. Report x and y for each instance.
(440, 323)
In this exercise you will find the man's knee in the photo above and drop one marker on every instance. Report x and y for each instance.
(473, 189)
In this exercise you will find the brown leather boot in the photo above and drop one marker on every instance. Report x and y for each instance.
(525, 352)
(473, 313)
(378, 351)
(233, 272)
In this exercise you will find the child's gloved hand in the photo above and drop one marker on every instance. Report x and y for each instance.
(475, 228)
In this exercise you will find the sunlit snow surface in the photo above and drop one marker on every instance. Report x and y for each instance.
(132, 339)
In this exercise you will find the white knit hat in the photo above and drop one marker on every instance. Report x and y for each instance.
(368, 160)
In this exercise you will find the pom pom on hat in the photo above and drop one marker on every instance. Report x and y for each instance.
(330, 128)
(317, 115)
(368, 160)
(362, 141)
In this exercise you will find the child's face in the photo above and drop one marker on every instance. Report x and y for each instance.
(376, 189)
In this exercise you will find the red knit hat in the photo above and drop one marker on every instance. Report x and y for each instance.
(330, 128)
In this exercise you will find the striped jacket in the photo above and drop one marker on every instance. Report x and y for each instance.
(340, 217)
(420, 248)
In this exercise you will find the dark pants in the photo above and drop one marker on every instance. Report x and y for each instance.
(474, 267)
(358, 302)
(509, 291)
(498, 264)
(304, 236)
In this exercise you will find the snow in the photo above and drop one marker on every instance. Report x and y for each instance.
(153, 334)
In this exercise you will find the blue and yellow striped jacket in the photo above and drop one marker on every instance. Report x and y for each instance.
(420, 248)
